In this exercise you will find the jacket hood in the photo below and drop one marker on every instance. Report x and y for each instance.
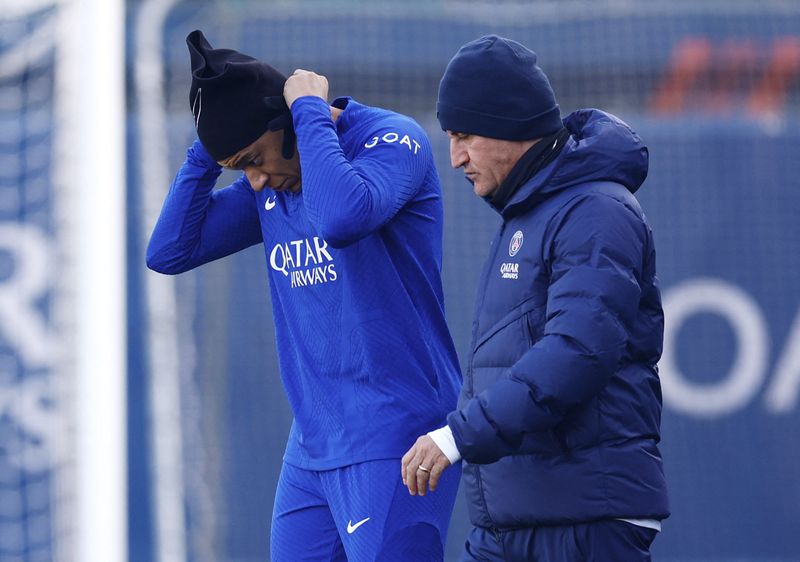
(601, 147)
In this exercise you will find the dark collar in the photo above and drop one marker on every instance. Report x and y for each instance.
(537, 157)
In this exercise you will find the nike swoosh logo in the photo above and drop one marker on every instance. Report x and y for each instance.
(269, 203)
(351, 528)
(198, 104)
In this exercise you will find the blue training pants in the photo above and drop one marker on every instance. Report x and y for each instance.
(360, 513)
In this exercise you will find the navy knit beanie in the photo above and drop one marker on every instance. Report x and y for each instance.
(235, 99)
(493, 87)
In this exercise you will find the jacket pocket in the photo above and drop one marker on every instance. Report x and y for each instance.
(533, 324)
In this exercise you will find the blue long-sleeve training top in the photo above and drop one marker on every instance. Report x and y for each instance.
(354, 262)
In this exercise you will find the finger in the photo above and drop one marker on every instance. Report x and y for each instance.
(411, 477)
(411, 480)
(423, 476)
(411, 474)
(436, 473)
(404, 463)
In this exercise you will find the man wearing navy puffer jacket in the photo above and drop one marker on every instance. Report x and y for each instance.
(558, 420)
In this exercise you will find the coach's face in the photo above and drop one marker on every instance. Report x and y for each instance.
(264, 165)
(486, 161)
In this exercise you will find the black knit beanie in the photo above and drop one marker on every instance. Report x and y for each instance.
(235, 99)
(493, 87)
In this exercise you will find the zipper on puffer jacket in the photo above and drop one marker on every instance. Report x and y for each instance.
(529, 326)
(484, 505)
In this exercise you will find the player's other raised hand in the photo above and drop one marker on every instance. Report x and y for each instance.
(305, 83)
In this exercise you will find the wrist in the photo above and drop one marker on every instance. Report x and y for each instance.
(199, 153)
(443, 437)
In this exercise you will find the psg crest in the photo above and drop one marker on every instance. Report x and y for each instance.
(516, 243)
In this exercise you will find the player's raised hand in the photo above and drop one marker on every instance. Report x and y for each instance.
(422, 466)
(305, 83)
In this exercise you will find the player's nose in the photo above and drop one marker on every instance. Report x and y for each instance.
(257, 178)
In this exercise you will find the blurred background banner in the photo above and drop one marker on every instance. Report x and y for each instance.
(713, 87)
(36, 384)
(62, 281)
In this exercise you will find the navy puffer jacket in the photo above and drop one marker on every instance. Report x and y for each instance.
(558, 420)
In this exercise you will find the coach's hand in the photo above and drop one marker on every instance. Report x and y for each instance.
(422, 466)
(304, 83)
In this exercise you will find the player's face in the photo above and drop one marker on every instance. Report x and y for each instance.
(264, 165)
(486, 162)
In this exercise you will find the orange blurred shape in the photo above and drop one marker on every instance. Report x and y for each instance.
(735, 63)
(690, 60)
(769, 94)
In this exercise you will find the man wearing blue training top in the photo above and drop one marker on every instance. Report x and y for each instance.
(558, 421)
(353, 251)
